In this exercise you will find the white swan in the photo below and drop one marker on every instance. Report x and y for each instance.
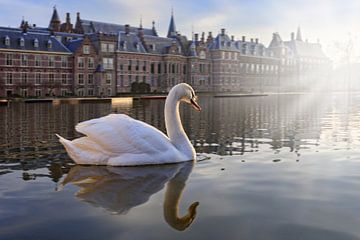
(119, 140)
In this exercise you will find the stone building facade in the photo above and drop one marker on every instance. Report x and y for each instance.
(90, 58)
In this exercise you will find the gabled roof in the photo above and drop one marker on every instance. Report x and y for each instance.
(305, 49)
(130, 43)
(73, 45)
(96, 27)
(15, 36)
(223, 42)
(276, 41)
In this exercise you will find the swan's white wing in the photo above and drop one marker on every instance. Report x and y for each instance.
(119, 133)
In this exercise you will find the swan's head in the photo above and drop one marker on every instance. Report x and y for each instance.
(186, 93)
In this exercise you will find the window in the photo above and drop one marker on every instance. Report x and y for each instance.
(9, 59)
(49, 44)
(81, 62)
(86, 49)
(37, 78)
(81, 78)
(51, 61)
(9, 78)
(24, 60)
(121, 81)
(24, 78)
(36, 43)
(91, 63)
(38, 92)
(107, 47)
(22, 42)
(104, 47)
(51, 78)
(90, 92)
(90, 79)
(63, 92)
(110, 47)
(152, 68)
(108, 63)
(7, 41)
(129, 65)
(108, 78)
(137, 65)
(64, 78)
(64, 62)
(144, 67)
(37, 61)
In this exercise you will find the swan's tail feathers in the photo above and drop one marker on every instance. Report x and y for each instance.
(84, 151)
(71, 150)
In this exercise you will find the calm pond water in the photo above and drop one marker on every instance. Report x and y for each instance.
(280, 167)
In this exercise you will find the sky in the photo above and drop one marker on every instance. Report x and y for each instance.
(334, 22)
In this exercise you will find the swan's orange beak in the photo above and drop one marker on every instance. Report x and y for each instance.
(195, 105)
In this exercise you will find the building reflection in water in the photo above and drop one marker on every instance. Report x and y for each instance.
(118, 190)
(226, 126)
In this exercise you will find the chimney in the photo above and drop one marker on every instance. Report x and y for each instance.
(232, 38)
(251, 40)
(292, 36)
(77, 16)
(256, 40)
(223, 31)
(203, 37)
(209, 38)
(196, 37)
(127, 28)
(243, 38)
(68, 18)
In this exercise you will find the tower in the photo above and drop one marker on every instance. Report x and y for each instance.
(55, 22)
(172, 29)
(298, 35)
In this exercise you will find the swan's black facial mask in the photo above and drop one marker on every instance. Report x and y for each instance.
(194, 103)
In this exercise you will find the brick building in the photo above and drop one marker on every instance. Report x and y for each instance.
(91, 58)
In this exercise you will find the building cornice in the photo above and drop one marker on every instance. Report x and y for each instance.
(31, 51)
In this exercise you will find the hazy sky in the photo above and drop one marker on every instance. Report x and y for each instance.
(329, 20)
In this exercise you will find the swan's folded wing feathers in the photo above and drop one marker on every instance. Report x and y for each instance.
(119, 133)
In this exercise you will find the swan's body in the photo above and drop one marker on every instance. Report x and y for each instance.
(119, 140)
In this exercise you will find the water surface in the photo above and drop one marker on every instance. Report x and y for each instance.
(281, 167)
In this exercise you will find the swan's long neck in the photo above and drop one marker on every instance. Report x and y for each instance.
(174, 128)
(172, 199)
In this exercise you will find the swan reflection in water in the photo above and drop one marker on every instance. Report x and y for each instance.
(119, 189)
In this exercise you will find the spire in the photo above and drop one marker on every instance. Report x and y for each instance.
(55, 21)
(22, 22)
(172, 28)
(298, 34)
(153, 28)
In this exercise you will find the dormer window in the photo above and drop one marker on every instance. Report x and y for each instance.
(36, 43)
(49, 44)
(137, 45)
(22, 42)
(125, 45)
(7, 41)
